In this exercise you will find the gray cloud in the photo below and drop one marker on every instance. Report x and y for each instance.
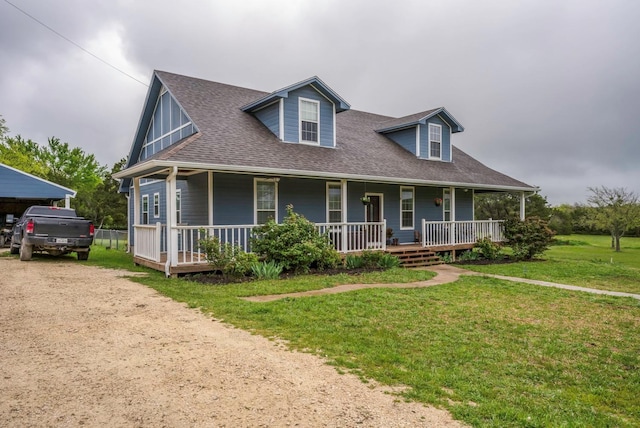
(547, 91)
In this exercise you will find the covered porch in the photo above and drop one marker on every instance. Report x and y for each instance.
(152, 247)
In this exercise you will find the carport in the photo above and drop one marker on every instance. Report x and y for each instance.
(19, 190)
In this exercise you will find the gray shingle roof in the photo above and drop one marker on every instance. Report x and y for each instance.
(228, 136)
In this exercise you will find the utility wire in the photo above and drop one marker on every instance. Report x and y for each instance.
(74, 43)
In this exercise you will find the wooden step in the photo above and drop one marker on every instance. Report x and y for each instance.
(416, 257)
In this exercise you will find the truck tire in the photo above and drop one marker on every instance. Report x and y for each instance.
(14, 249)
(83, 255)
(26, 251)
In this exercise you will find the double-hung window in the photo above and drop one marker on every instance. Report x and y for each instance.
(435, 141)
(145, 209)
(266, 200)
(178, 206)
(446, 206)
(407, 205)
(156, 205)
(309, 120)
(334, 202)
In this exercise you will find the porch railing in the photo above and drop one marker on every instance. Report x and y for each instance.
(443, 233)
(352, 237)
(147, 238)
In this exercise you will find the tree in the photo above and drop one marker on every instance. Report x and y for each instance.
(617, 210)
(105, 206)
(4, 130)
(507, 205)
(24, 155)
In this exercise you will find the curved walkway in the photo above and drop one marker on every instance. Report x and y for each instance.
(444, 274)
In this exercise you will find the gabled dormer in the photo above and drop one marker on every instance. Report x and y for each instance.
(426, 134)
(303, 113)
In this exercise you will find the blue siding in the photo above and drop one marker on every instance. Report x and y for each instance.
(194, 199)
(446, 139)
(18, 184)
(405, 138)
(307, 196)
(149, 189)
(270, 117)
(464, 205)
(232, 199)
(291, 122)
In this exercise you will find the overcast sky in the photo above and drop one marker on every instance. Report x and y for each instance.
(548, 90)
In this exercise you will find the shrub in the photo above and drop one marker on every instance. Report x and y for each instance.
(353, 261)
(468, 256)
(229, 259)
(527, 238)
(295, 244)
(266, 270)
(490, 250)
(371, 259)
(388, 261)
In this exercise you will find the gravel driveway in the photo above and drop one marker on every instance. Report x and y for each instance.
(81, 345)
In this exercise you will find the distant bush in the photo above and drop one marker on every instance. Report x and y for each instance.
(490, 250)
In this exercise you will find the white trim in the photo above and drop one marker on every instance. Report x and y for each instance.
(444, 204)
(418, 140)
(156, 205)
(435, 125)
(308, 100)
(256, 180)
(281, 120)
(413, 207)
(334, 125)
(178, 211)
(141, 167)
(328, 210)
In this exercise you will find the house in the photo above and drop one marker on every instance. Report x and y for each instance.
(219, 158)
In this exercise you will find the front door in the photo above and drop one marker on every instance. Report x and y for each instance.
(374, 209)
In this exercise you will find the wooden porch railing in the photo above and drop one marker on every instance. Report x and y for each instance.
(444, 233)
(352, 237)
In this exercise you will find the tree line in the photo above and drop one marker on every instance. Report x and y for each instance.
(97, 196)
(611, 211)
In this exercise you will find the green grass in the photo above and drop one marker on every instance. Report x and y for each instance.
(494, 353)
(586, 261)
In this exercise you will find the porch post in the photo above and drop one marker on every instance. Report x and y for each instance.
(210, 196)
(522, 205)
(452, 202)
(345, 216)
(172, 232)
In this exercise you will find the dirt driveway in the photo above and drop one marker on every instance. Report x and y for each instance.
(83, 346)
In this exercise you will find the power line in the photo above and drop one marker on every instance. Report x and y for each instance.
(74, 43)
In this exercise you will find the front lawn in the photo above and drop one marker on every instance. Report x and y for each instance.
(582, 260)
(494, 353)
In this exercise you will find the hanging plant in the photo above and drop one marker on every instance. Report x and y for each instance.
(437, 201)
(365, 200)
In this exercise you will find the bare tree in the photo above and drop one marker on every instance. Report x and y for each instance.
(617, 210)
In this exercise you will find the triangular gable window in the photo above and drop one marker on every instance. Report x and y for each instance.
(168, 125)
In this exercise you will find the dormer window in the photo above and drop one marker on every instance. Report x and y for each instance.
(435, 141)
(309, 120)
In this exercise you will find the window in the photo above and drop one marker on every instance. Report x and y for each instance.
(406, 207)
(145, 209)
(334, 203)
(178, 206)
(309, 119)
(156, 205)
(446, 204)
(435, 141)
(265, 200)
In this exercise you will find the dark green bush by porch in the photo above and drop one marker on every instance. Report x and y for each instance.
(295, 244)
(231, 260)
(527, 238)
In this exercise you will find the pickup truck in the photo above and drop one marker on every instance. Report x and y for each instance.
(55, 230)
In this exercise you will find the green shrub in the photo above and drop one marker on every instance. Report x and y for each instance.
(468, 256)
(490, 250)
(527, 238)
(229, 259)
(266, 270)
(388, 261)
(371, 259)
(353, 261)
(295, 244)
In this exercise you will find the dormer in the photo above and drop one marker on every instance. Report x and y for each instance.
(303, 113)
(426, 134)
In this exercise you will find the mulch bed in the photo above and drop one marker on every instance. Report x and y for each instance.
(217, 278)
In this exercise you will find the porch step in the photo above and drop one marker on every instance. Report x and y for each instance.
(416, 257)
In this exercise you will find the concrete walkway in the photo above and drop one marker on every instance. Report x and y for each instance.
(444, 274)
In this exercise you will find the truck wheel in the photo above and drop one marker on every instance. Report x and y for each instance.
(84, 255)
(13, 248)
(26, 251)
